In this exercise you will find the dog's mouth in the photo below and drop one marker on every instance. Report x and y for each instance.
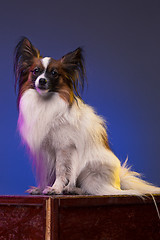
(42, 91)
(42, 87)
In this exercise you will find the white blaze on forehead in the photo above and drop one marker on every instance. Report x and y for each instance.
(45, 61)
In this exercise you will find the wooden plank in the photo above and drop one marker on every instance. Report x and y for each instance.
(103, 218)
(55, 219)
(22, 218)
(48, 219)
(83, 200)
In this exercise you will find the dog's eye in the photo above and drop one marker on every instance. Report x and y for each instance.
(36, 71)
(54, 73)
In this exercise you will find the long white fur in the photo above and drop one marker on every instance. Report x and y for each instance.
(66, 145)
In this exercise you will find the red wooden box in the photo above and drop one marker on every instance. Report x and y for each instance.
(78, 218)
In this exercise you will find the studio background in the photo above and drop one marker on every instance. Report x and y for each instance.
(121, 40)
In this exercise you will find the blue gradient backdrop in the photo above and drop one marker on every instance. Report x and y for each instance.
(122, 48)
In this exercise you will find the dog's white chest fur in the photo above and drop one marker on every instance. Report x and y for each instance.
(38, 115)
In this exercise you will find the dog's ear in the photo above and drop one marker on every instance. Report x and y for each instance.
(24, 55)
(74, 68)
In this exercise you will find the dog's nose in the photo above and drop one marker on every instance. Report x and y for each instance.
(42, 81)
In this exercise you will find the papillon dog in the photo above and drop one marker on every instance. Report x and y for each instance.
(65, 137)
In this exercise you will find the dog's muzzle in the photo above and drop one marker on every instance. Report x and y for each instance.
(43, 84)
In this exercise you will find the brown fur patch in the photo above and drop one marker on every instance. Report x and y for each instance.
(66, 94)
(64, 88)
(105, 140)
(26, 81)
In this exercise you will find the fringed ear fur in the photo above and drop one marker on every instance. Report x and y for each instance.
(23, 58)
(74, 68)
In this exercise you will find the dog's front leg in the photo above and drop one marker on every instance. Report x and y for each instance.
(62, 164)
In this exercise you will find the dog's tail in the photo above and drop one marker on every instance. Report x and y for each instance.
(131, 180)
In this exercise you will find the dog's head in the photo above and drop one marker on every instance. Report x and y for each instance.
(47, 75)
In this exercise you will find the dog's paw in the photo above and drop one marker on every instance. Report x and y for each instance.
(68, 190)
(34, 191)
(52, 191)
